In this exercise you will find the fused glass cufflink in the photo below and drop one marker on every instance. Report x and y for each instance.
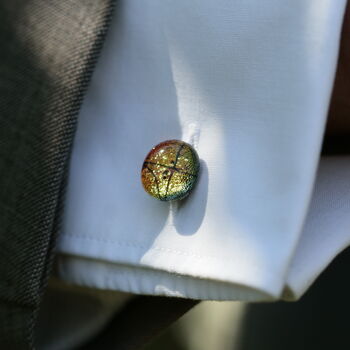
(170, 170)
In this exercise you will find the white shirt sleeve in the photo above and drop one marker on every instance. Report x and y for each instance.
(248, 84)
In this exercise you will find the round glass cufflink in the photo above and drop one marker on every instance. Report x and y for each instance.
(170, 170)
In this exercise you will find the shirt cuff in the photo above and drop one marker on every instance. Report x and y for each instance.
(248, 84)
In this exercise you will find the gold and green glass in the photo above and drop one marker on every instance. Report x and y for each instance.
(170, 170)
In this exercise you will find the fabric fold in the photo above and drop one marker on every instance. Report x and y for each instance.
(248, 84)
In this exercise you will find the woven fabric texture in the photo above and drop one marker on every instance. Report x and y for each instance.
(48, 49)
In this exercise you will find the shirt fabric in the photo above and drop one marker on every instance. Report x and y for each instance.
(248, 84)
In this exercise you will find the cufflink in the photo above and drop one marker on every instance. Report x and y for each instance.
(170, 170)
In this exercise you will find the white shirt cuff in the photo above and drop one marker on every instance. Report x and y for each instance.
(248, 84)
